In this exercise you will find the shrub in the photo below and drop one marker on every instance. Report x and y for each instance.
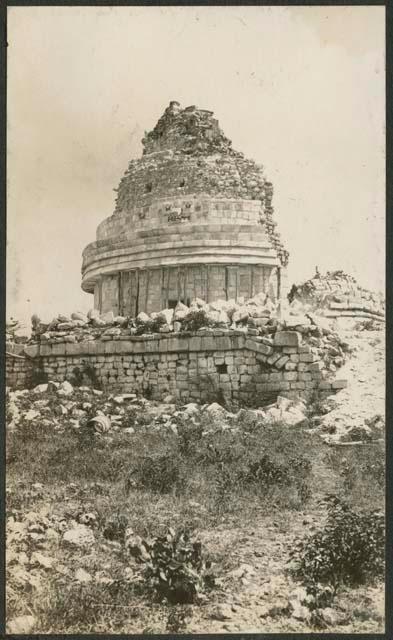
(115, 527)
(195, 320)
(348, 550)
(160, 473)
(150, 326)
(361, 473)
(270, 472)
(189, 437)
(174, 566)
(85, 373)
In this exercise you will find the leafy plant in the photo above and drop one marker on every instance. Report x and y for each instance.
(149, 326)
(195, 320)
(347, 550)
(174, 566)
(189, 436)
(115, 527)
(360, 473)
(177, 618)
(268, 471)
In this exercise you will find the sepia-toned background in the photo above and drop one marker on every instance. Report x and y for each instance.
(300, 90)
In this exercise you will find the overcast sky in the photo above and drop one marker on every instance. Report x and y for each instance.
(299, 89)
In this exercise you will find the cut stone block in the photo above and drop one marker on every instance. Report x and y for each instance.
(287, 339)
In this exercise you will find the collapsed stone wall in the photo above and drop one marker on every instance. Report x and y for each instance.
(239, 367)
(19, 368)
(337, 296)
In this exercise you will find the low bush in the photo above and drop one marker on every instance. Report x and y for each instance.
(189, 437)
(149, 326)
(85, 374)
(174, 566)
(360, 473)
(195, 320)
(347, 550)
(162, 473)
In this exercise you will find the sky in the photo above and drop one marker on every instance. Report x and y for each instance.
(299, 89)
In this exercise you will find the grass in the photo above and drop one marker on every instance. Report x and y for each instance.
(218, 485)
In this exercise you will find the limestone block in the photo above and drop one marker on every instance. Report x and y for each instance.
(298, 385)
(316, 366)
(274, 358)
(304, 348)
(31, 350)
(290, 350)
(108, 317)
(237, 341)
(167, 315)
(281, 362)
(306, 357)
(339, 384)
(177, 344)
(287, 339)
(325, 385)
(209, 344)
(195, 343)
(70, 349)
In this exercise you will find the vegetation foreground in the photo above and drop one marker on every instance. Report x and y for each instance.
(182, 525)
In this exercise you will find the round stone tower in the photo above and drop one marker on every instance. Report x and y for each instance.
(193, 218)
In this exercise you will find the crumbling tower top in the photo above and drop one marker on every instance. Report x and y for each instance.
(193, 218)
(188, 130)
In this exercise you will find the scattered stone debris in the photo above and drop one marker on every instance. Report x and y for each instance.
(22, 625)
(79, 536)
(337, 296)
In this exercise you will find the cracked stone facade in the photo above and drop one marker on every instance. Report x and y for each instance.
(193, 219)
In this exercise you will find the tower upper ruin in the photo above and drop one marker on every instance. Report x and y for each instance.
(193, 218)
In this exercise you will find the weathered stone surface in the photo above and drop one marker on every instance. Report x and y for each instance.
(79, 536)
(108, 317)
(65, 389)
(174, 203)
(287, 339)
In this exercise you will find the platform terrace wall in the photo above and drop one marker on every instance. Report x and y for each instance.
(19, 369)
(189, 367)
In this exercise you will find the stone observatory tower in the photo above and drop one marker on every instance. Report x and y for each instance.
(193, 219)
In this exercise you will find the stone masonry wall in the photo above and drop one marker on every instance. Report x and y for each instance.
(19, 367)
(127, 292)
(243, 368)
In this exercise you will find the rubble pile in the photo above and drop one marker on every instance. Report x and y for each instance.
(240, 348)
(256, 316)
(62, 407)
(337, 295)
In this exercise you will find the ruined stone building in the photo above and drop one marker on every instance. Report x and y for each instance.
(193, 218)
